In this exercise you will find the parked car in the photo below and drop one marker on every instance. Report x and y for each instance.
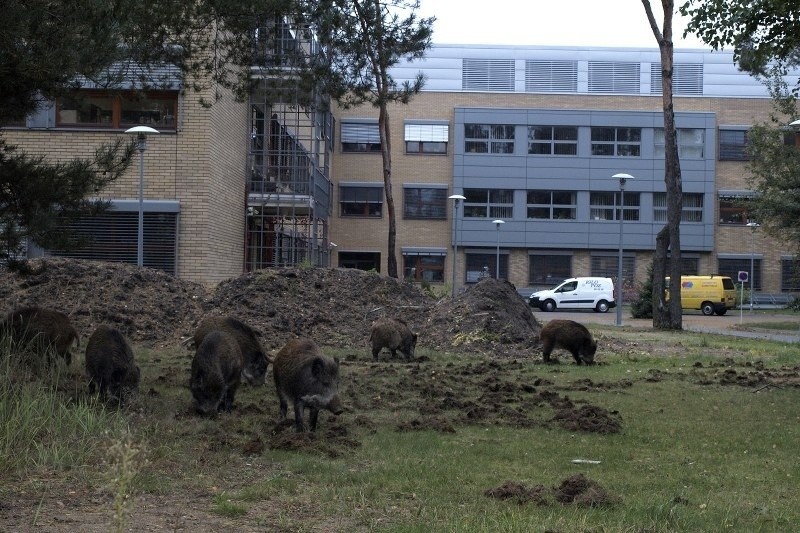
(710, 294)
(577, 293)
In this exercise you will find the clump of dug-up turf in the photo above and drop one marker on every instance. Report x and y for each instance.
(575, 490)
(590, 419)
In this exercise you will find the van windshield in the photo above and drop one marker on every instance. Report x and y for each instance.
(571, 286)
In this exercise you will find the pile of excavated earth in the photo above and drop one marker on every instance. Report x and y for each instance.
(333, 306)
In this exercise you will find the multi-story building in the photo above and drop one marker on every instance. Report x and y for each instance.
(530, 136)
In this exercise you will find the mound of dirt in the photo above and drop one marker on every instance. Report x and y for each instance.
(590, 419)
(333, 306)
(512, 490)
(575, 490)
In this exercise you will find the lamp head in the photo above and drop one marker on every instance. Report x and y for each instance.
(622, 179)
(498, 222)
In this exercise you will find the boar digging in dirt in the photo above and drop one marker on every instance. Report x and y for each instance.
(44, 328)
(394, 334)
(570, 336)
(110, 365)
(306, 378)
(254, 369)
(216, 373)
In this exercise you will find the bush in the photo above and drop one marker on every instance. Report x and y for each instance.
(642, 306)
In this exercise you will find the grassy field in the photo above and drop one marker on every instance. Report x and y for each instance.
(674, 431)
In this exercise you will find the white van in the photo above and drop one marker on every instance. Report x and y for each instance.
(577, 293)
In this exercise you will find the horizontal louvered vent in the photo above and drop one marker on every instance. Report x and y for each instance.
(687, 79)
(614, 77)
(487, 75)
(113, 236)
(551, 76)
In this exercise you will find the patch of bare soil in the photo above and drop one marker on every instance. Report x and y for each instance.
(590, 419)
(575, 490)
(335, 307)
(331, 440)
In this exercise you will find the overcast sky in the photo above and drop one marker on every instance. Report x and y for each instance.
(549, 22)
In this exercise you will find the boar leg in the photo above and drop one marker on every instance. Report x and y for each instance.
(299, 408)
(312, 417)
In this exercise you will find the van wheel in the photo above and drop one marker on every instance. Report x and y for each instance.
(707, 308)
(601, 307)
(549, 306)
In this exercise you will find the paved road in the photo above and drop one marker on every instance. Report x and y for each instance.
(722, 325)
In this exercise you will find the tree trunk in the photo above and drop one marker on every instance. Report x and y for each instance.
(386, 152)
(668, 241)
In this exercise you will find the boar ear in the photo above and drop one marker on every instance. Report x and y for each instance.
(336, 360)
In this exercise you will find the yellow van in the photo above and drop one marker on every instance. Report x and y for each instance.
(709, 294)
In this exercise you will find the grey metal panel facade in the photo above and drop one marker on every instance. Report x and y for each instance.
(584, 174)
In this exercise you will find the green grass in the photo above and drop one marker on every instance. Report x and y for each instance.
(704, 446)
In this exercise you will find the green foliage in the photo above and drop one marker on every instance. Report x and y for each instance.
(762, 33)
(642, 306)
(38, 198)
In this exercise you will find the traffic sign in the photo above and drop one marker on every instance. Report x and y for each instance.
(743, 276)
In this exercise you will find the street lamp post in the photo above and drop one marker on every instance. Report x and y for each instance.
(753, 226)
(456, 202)
(497, 224)
(141, 138)
(622, 179)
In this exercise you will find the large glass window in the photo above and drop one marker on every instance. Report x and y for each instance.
(620, 142)
(731, 268)
(102, 109)
(733, 145)
(421, 267)
(489, 138)
(734, 210)
(360, 136)
(489, 203)
(426, 138)
(790, 274)
(552, 140)
(549, 269)
(484, 264)
(552, 205)
(424, 202)
(605, 206)
(692, 207)
(606, 266)
(691, 143)
(360, 260)
(361, 201)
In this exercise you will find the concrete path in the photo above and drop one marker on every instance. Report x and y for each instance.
(693, 321)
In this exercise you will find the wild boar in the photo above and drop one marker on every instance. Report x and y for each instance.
(254, 369)
(44, 328)
(306, 378)
(216, 373)
(570, 336)
(110, 365)
(394, 334)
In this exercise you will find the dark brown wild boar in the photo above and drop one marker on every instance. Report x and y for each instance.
(44, 328)
(110, 365)
(254, 368)
(394, 334)
(306, 378)
(216, 373)
(570, 336)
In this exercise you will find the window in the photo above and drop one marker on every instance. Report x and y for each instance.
(423, 266)
(620, 142)
(733, 145)
(427, 138)
(734, 208)
(487, 74)
(549, 269)
(690, 266)
(424, 202)
(488, 139)
(692, 207)
(605, 206)
(484, 264)
(606, 266)
(489, 203)
(360, 260)
(361, 136)
(690, 143)
(732, 266)
(361, 200)
(102, 109)
(559, 205)
(113, 236)
(552, 140)
(790, 274)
